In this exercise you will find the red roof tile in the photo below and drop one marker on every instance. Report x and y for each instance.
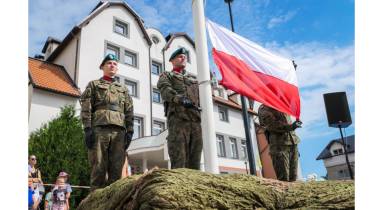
(51, 77)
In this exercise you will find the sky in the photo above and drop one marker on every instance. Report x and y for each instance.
(317, 34)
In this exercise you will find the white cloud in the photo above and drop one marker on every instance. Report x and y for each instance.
(273, 22)
(54, 18)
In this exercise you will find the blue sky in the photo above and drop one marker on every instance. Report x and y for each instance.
(317, 34)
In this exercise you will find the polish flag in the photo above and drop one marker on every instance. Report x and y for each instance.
(254, 72)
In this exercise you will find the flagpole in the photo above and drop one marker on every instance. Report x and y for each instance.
(246, 122)
(205, 95)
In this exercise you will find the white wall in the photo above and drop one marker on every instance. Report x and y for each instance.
(45, 106)
(338, 160)
(67, 58)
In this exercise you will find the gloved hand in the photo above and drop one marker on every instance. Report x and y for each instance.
(186, 102)
(127, 139)
(296, 124)
(88, 137)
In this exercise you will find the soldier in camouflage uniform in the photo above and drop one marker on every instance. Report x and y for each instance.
(282, 141)
(181, 96)
(107, 115)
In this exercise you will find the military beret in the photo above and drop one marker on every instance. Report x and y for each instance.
(179, 51)
(108, 58)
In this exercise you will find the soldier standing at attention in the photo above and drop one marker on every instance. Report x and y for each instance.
(180, 93)
(107, 115)
(282, 141)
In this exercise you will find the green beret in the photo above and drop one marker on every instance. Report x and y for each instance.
(179, 51)
(108, 58)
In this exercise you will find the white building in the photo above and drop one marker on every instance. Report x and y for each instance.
(333, 156)
(143, 53)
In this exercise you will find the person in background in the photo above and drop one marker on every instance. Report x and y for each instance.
(59, 192)
(48, 200)
(65, 176)
(35, 174)
(32, 200)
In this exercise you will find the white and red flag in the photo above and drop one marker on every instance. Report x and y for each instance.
(254, 72)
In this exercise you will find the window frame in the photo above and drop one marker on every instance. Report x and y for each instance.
(141, 124)
(163, 126)
(160, 97)
(159, 64)
(233, 153)
(124, 24)
(134, 56)
(218, 141)
(136, 95)
(110, 46)
(225, 111)
(243, 145)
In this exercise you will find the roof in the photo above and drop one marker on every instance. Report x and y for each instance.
(231, 104)
(326, 151)
(51, 77)
(49, 40)
(172, 36)
(95, 11)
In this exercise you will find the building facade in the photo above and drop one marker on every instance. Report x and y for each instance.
(143, 53)
(333, 156)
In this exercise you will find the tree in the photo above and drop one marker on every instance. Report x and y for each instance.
(59, 146)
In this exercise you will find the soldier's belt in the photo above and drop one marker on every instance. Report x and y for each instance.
(109, 107)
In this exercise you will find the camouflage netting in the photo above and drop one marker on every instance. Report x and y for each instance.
(191, 189)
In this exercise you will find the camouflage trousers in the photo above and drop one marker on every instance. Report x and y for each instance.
(107, 155)
(285, 161)
(184, 143)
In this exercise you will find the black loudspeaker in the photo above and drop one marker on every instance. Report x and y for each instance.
(337, 109)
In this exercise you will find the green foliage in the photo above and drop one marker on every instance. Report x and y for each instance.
(59, 146)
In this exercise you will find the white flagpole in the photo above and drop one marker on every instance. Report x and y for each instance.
(206, 101)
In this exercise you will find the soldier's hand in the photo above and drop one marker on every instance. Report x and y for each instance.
(186, 102)
(89, 138)
(296, 124)
(127, 139)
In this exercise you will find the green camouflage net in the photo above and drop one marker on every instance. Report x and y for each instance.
(192, 189)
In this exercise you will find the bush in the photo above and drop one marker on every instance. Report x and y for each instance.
(59, 146)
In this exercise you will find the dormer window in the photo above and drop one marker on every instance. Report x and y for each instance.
(155, 39)
(338, 151)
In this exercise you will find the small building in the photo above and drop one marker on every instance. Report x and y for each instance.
(334, 159)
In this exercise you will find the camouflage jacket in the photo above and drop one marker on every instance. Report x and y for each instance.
(277, 126)
(172, 86)
(106, 103)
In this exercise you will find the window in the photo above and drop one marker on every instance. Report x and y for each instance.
(221, 93)
(188, 56)
(338, 151)
(132, 88)
(121, 28)
(221, 146)
(223, 115)
(156, 96)
(233, 148)
(130, 58)
(155, 39)
(138, 127)
(156, 68)
(157, 127)
(111, 49)
(343, 173)
(243, 150)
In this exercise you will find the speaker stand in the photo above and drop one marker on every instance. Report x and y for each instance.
(346, 153)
